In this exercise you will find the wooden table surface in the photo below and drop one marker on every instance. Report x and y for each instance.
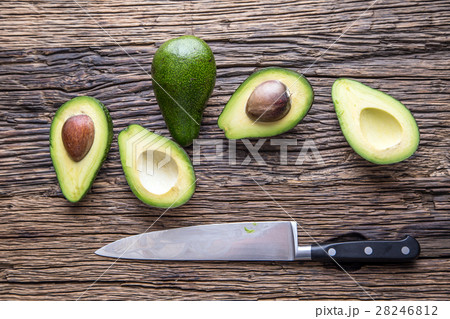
(51, 51)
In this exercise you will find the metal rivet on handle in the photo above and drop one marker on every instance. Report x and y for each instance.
(331, 252)
(368, 250)
(405, 250)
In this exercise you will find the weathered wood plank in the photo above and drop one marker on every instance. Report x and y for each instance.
(310, 25)
(190, 280)
(51, 52)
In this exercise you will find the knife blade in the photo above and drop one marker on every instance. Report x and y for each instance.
(261, 241)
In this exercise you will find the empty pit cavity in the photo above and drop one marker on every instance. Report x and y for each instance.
(158, 171)
(380, 128)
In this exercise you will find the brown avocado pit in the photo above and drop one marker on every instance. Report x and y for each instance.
(268, 102)
(78, 135)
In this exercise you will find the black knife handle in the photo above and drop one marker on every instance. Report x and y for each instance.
(368, 251)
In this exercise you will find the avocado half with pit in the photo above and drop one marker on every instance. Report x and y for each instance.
(270, 102)
(158, 170)
(80, 138)
(378, 127)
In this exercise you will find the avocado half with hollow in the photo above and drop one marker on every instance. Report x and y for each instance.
(270, 102)
(158, 171)
(378, 127)
(80, 138)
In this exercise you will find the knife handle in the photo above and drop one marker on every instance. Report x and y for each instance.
(369, 251)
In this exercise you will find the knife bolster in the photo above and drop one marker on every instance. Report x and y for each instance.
(303, 253)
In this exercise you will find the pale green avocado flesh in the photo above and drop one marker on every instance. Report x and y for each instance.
(378, 127)
(76, 178)
(158, 170)
(235, 122)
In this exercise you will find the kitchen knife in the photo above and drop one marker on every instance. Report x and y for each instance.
(274, 241)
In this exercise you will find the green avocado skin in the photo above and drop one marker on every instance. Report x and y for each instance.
(183, 76)
(109, 137)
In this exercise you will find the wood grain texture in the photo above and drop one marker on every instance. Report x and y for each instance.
(53, 51)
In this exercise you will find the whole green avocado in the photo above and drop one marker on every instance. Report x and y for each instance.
(183, 76)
